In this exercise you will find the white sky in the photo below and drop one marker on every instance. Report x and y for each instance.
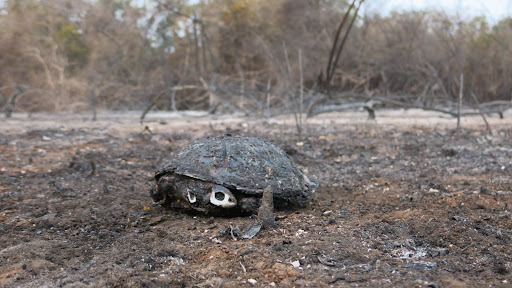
(493, 9)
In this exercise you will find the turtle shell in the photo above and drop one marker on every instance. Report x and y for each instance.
(247, 164)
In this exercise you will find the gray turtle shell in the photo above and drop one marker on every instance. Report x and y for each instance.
(247, 164)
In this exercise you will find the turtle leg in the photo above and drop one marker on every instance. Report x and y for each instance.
(266, 210)
(265, 215)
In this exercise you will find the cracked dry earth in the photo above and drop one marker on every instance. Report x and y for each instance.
(402, 202)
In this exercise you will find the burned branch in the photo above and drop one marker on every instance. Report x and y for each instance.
(10, 104)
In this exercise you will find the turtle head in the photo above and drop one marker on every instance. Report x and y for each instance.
(156, 193)
(222, 197)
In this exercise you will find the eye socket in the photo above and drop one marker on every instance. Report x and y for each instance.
(220, 196)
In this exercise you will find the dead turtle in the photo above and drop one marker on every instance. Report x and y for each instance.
(229, 175)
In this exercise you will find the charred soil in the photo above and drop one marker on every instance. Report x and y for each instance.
(402, 201)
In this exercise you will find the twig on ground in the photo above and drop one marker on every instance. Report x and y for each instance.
(301, 95)
(460, 101)
(221, 283)
(487, 126)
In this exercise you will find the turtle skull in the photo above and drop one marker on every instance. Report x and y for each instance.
(222, 197)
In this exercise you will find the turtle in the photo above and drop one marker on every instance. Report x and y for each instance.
(229, 175)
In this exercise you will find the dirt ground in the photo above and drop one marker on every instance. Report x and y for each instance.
(402, 201)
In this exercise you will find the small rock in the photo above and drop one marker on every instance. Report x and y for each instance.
(326, 261)
(283, 271)
(156, 220)
(439, 252)
(260, 265)
(252, 281)
(484, 190)
(215, 240)
(421, 265)
(500, 269)
(177, 261)
(449, 152)
(295, 264)
(327, 213)
(458, 218)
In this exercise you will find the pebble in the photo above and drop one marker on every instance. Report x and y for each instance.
(421, 265)
(327, 213)
(283, 271)
(260, 265)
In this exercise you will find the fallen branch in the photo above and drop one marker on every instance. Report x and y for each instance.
(411, 105)
(335, 108)
(175, 88)
(314, 110)
(212, 98)
(496, 103)
(487, 126)
(10, 104)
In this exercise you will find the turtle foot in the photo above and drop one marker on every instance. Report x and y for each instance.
(266, 210)
(248, 232)
(265, 219)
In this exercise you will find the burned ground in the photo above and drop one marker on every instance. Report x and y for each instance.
(401, 202)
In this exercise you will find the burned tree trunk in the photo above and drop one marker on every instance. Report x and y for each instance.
(10, 104)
